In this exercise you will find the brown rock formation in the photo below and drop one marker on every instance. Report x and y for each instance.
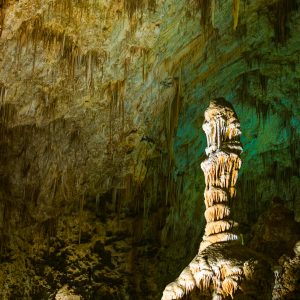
(287, 276)
(221, 171)
(222, 267)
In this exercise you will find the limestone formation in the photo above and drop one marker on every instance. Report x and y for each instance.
(223, 267)
(99, 124)
(287, 276)
(66, 294)
(220, 169)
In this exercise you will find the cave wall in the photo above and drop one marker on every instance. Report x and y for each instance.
(101, 110)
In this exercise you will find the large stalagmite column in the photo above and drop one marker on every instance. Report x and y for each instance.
(222, 130)
(223, 268)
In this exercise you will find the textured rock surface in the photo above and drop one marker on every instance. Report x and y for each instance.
(101, 108)
(223, 267)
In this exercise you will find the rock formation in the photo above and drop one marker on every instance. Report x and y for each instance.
(220, 169)
(101, 102)
(223, 266)
(287, 276)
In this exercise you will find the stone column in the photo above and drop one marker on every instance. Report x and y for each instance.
(222, 130)
(223, 267)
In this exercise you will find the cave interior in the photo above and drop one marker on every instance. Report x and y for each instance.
(102, 194)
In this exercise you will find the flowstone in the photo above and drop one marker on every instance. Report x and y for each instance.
(223, 267)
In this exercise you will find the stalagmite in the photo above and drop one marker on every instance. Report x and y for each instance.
(220, 170)
(222, 262)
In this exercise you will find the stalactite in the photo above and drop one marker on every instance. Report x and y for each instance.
(217, 212)
(213, 195)
(3, 93)
(142, 53)
(91, 61)
(235, 13)
(126, 64)
(132, 6)
(282, 10)
(70, 9)
(172, 117)
(213, 9)
(3, 4)
(205, 7)
(64, 46)
(144, 58)
(7, 113)
(115, 91)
